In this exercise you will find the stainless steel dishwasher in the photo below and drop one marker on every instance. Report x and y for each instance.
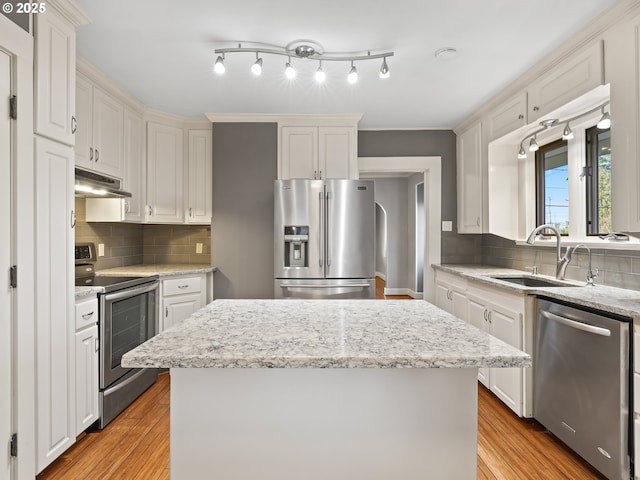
(582, 383)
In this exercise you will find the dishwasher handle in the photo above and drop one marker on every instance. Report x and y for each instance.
(605, 332)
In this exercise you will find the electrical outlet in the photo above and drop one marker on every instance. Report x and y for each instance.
(447, 226)
(198, 248)
(101, 249)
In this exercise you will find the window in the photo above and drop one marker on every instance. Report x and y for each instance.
(552, 185)
(598, 181)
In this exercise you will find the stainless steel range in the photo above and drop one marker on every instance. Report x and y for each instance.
(127, 317)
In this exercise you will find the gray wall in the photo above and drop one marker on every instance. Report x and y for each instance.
(406, 143)
(391, 193)
(381, 241)
(244, 168)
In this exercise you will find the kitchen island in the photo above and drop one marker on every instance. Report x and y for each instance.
(345, 389)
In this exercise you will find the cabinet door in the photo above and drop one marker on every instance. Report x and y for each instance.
(55, 75)
(55, 314)
(506, 383)
(108, 130)
(299, 152)
(165, 174)
(576, 75)
(134, 166)
(459, 301)
(337, 152)
(470, 184)
(508, 116)
(442, 297)
(84, 116)
(477, 316)
(179, 307)
(86, 378)
(200, 177)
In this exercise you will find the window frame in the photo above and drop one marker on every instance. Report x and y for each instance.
(540, 178)
(592, 181)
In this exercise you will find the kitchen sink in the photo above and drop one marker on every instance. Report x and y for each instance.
(532, 282)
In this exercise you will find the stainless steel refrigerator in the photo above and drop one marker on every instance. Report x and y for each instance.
(324, 237)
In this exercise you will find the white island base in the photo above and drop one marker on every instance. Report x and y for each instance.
(321, 424)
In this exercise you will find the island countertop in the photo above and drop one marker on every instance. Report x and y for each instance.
(323, 334)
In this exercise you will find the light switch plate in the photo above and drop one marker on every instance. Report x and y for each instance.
(447, 226)
(101, 249)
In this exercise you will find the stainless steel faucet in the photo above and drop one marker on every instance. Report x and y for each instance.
(591, 274)
(561, 266)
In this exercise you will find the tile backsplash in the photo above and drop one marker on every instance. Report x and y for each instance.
(131, 243)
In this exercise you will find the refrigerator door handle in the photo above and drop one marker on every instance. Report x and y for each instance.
(328, 233)
(313, 285)
(320, 230)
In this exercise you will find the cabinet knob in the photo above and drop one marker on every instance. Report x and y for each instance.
(74, 124)
(535, 109)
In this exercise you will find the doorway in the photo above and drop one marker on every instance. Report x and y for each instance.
(6, 317)
(420, 236)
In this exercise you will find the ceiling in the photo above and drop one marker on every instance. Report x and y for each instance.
(161, 52)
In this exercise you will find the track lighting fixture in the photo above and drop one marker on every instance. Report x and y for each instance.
(567, 133)
(353, 74)
(289, 71)
(219, 65)
(304, 49)
(256, 68)
(605, 120)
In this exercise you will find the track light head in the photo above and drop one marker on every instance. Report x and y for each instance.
(533, 145)
(384, 69)
(605, 121)
(567, 133)
(320, 75)
(256, 68)
(353, 74)
(289, 71)
(522, 155)
(219, 65)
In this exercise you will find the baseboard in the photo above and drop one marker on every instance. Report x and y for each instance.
(381, 275)
(396, 291)
(416, 295)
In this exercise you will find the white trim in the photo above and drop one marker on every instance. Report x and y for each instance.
(334, 119)
(416, 295)
(381, 276)
(71, 11)
(397, 291)
(19, 44)
(431, 166)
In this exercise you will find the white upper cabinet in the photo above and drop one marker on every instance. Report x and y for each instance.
(165, 174)
(100, 143)
(507, 117)
(327, 149)
(470, 179)
(573, 77)
(55, 74)
(134, 167)
(200, 178)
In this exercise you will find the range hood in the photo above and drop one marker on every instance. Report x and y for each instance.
(96, 185)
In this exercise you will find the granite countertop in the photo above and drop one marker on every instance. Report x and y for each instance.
(162, 270)
(600, 297)
(86, 292)
(323, 334)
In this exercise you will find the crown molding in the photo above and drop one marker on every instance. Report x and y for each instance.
(284, 118)
(71, 11)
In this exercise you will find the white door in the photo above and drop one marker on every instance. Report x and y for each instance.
(6, 335)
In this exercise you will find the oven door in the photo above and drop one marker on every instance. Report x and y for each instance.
(128, 320)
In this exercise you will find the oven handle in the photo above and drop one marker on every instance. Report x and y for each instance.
(131, 292)
(128, 381)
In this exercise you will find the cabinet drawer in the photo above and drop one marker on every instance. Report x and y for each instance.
(178, 286)
(86, 313)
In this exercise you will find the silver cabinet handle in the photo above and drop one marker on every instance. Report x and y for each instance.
(489, 316)
(97, 155)
(166, 311)
(74, 124)
(605, 332)
(190, 212)
(87, 316)
(315, 174)
(521, 117)
(478, 221)
(150, 210)
(73, 219)
(320, 177)
(127, 206)
(91, 154)
(183, 286)
(535, 109)
(97, 344)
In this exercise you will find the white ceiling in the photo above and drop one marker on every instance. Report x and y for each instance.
(161, 52)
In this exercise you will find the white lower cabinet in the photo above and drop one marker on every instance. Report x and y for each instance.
(181, 296)
(86, 364)
(451, 296)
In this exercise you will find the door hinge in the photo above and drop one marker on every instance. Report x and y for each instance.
(14, 445)
(13, 107)
(13, 276)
